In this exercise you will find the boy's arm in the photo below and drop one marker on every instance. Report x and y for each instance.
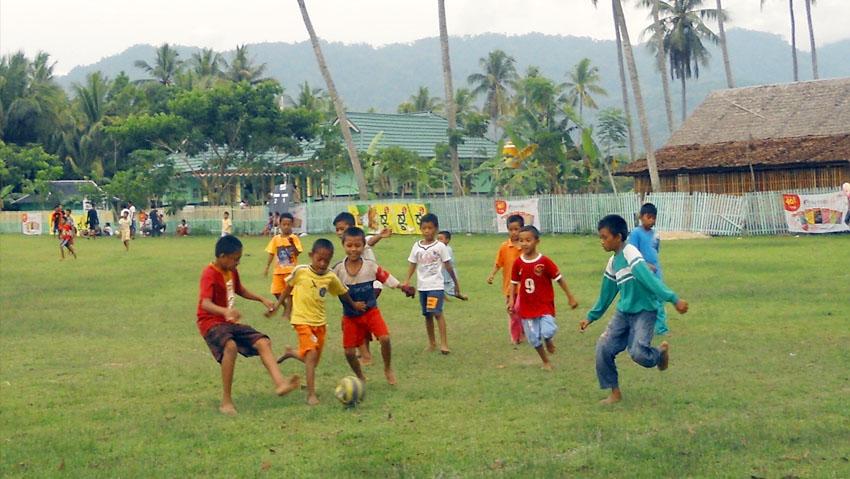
(563, 284)
(287, 290)
(269, 263)
(386, 278)
(607, 293)
(512, 300)
(645, 277)
(357, 305)
(411, 268)
(269, 304)
(496, 269)
(385, 233)
(451, 271)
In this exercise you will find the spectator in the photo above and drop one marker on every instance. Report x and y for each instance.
(155, 222)
(132, 210)
(143, 222)
(243, 204)
(268, 230)
(92, 221)
(183, 228)
(107, 229)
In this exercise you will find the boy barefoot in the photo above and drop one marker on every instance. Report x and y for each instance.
(427, 259)
(218, 322)
(283, 249)
(531, 280)
(359, 274)
(633, 323)
(309, 285)
(507, 255)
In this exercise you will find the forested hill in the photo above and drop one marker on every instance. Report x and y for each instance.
(383, 77)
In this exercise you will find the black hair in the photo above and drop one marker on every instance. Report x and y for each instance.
(446, 233)
(107, 224)
(531, 229)
(227, 213)
(322, 243)
(227, 245)
(615, 224)
(287, 215)
(515, 219)
(648, 209)
(183, 220)
(430, 218)
(345, 216)
(353, 232)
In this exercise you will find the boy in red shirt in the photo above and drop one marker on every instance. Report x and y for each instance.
(531, 279)
(218, 322)
(66, 238)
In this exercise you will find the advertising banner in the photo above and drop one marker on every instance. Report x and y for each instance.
(401, 218)
(825, 213)
(31, 223)
(525, 208)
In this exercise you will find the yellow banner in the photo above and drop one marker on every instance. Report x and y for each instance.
(400, 218)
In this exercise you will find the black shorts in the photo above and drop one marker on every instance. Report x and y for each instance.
(244, 336)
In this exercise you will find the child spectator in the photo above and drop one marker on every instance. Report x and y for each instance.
(648, 242)
(309, 286)
(283, 249)
(226, 225)
(633, 323)
(183, 228)
(268, 230)
(427, 258)
(531, 280)
(92, 221)
(218, 322)
(107, 229)
(507, 255)
(445, 237)
(125, 229)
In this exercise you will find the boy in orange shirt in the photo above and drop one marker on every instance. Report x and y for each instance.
(508, 253)
(285, 247)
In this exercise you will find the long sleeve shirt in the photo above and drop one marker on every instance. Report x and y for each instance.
(639, 289)
(648, 242)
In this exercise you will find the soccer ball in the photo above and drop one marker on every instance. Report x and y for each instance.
(350, 391)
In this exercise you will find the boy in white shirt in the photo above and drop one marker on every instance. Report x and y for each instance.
(427, 259)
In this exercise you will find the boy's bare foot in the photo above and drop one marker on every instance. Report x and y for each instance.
(547, 367)
(445, 351)
(431, 348)
(550, 346)
(366, 360)
(390, 376)
(288, 353)
(615, 397)
(665, 356)
(292, 384)
(312, 400)
(227, 409)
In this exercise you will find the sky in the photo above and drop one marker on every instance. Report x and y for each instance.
(81, 32)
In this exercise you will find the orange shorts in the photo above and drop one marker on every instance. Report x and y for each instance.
(355, 329)
(278, 283)
(309, 338)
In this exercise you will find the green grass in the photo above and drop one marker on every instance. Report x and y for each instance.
(103, 372)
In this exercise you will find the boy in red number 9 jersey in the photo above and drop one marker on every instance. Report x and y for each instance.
(531, 279)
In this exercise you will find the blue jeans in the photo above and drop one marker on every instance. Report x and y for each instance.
(632, 332)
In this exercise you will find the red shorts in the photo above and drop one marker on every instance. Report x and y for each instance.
(355, 329)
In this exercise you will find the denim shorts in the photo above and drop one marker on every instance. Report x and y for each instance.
(431, 302)
(539, 329)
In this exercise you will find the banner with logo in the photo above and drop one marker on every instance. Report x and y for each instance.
(401, 218)
(525, 208)
(825, 213)
(299, 211)
(31, 223)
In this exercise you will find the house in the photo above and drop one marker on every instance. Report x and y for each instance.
(71, 193)
(760, 138)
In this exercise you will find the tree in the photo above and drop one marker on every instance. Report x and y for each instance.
(809, 4)
(661, 62)
(611, 129)
(721, 33)
(165, 68)
(633, 77)
(499, 71)
(206, 63)
(242, 68)
(421, 101)
(342, 118)
(583, 81)
(624, 88)
(85, 142)
(683, 30)
(27, 169)
(454, 137)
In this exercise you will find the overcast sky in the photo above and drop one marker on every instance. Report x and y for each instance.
(80, 32)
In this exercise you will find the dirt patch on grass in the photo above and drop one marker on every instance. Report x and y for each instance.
(682, 235)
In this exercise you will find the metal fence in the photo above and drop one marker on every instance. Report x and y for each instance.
(718, 215)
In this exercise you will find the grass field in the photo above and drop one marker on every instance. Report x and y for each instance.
(103, 372)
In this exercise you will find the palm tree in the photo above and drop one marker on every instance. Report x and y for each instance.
(242, 68)
(809, 4)
(661, 62)
(582, 81)
(342, 118)
(624, 87)
(683, 31)
(421, 101)
(166, 67)
(499, 70)
(450, 103)
(206, 63)
(721, 32)
(793, 38)
(32, 106)
(633, 77)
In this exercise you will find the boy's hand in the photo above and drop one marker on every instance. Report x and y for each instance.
(269, 304)
(682, 306)
(271, 310)
(232, 315)
(573, 302)
(490, 279)
(385, 233)
(360, 306)
(583, 324)
(461, 296)
(408, 291)
(266, 272)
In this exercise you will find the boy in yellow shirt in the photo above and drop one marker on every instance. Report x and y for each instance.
(285, 247)
(309, 285)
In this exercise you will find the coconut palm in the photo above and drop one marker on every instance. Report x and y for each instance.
(661, 62)
(206, 63)
(356, 167)
(499, 70)
(809, 4)
(242, 68)
(32, 106)
(421, 101)
(583, 81)
(721, 33)
(166, 67)
(450, 104)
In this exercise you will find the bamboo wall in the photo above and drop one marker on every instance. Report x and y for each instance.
(741, 182)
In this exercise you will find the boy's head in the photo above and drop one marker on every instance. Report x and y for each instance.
(183, 221)
(321, 254)
(515, 223)
(613, 232)
(354, 242)
(228, 252)
(286, 221)
(124, 214)
(342, 222)
(226, 214)
(648, 213)
(444, 237)
(529, 236)
(107, 224)
(429, 224)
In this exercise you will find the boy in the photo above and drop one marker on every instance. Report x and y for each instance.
(226, 225)
(284, 247)
(309, 285)
(107, 230)
(445, 237)
(427, 258)
(532, 274)
(648, 242)
(56, 218)
(359, 274)
(342, 222)
(183, 228)
(66, 238)
(218, 322)
(507, 255)
(124, 229)
(632, 326)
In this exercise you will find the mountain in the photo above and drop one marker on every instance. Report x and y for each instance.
(383, 77)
